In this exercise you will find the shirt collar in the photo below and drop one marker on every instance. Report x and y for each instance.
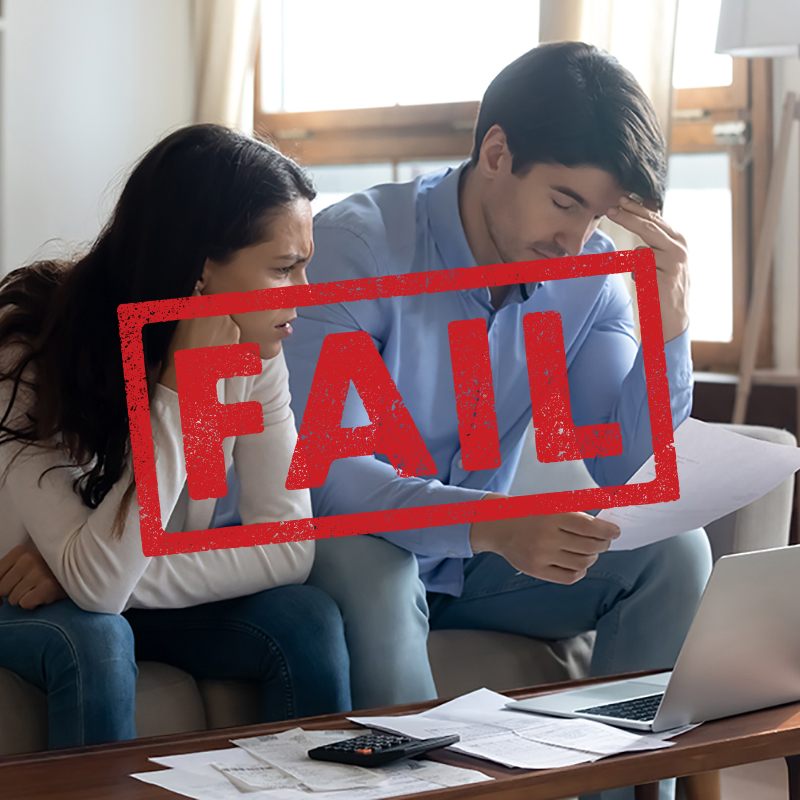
(445, 221)
(448, 230)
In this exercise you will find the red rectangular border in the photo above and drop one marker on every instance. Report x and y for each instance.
(134, 316)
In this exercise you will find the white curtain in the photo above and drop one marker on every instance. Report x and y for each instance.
(225, 41)
(641, 35)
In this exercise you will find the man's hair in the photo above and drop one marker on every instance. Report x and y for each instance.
(570, 103)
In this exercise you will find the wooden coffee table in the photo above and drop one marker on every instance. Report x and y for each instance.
(91, 773)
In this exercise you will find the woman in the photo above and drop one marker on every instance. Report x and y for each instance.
(206, 210)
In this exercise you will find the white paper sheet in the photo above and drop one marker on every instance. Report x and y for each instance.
(719, 471)
(255, 777)
(249, 774)
(405, 777)
(511, 750)
(531, 741)
(288, 752)
(592, 737)
(200, 763)
(200, 787)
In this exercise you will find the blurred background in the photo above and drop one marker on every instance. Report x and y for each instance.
(363, 92)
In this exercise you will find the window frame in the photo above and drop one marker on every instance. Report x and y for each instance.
(749, 99)
(444, 131)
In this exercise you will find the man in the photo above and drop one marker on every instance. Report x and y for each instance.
(564, 134)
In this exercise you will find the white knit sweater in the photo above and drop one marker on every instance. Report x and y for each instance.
(106, 574)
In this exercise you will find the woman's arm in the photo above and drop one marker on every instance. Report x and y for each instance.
(96, 570)
(26, 580)
(262, 464)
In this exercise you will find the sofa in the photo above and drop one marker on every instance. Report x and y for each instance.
(171, 701)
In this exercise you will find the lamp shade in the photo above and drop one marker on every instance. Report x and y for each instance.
(759, 28)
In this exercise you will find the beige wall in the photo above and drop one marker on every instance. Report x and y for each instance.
(88, 86)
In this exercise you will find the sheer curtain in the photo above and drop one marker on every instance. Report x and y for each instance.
(225, 40)
(641, 35)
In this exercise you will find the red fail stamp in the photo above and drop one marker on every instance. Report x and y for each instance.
(205, 422)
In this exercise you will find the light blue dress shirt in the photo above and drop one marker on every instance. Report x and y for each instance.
(415, 227)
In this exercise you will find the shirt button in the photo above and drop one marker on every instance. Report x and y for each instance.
(460, 464)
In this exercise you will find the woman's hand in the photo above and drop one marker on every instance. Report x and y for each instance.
(192, 333)
(26, 580)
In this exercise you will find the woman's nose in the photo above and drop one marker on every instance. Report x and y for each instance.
(300, 278)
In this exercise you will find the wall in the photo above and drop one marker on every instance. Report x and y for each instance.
(787, 245)
(88, 86)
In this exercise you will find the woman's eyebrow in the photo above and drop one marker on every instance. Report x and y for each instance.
(570, 193)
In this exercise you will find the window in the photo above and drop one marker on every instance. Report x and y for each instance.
(392, 95)
(335, 182)
(717, 188)
(699, 205)
(385, 86)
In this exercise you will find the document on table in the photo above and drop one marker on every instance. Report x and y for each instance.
(515, 739)
(288, 752)
(228, 773)
(719, 472)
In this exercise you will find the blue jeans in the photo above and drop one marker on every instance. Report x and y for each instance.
(289, 638)
(640, 602)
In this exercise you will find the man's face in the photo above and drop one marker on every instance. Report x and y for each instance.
(547, 211)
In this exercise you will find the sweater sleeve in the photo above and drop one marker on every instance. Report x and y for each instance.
(262, 463)
(96, 569)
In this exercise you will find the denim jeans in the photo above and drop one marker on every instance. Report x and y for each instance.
(289, 638)
(640, 602)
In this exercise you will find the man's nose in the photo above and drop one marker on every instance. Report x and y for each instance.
(573, 239)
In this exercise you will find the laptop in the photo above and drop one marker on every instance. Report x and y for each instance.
(742, 653)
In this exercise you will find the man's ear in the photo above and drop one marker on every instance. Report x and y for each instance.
(494, 152)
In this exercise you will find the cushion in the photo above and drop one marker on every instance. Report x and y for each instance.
(167, 701)
(464, 660)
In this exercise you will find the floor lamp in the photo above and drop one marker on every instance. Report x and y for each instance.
(764, 29)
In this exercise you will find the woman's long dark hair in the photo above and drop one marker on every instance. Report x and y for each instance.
(202, 192)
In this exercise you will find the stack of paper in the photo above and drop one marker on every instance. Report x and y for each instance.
(277, 768)
(517, 739)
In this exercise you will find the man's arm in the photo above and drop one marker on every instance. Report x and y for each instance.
(607, 375)
(607, 384)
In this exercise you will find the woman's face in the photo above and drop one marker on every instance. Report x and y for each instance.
(278, 262)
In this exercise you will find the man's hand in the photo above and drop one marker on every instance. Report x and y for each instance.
(26, 580)
(554, 547)
(672, 266)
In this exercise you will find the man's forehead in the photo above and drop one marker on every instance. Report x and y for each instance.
(585, 176)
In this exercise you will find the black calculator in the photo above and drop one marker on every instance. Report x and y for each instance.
(377, 749)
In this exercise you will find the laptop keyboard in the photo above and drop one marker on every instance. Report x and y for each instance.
(642, 709)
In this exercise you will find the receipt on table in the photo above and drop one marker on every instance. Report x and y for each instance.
(236, 772)
(402, 778)
(288, 752)
(255, 777)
